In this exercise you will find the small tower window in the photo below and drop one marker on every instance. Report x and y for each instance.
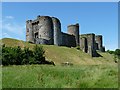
(27, 30)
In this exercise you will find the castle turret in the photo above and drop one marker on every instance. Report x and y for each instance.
(57, 31)
(29, 31)
(74, 30)
(45, 34)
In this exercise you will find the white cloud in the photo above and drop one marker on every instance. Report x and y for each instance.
(13, 28)
(6, 35)
(9, 17)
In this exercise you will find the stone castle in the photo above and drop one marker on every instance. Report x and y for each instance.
(47, 30)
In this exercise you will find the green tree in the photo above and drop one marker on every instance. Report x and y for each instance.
(39, 56)
(27, 56)
(117, 52)
(7, 55)
(18, 55)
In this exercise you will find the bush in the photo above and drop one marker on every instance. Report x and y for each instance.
(27, 55)
(117, 52)
(11, 55)
(17, 56)
(111, 52)
(39, 54)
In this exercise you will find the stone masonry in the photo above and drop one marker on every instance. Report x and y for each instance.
(47, 30)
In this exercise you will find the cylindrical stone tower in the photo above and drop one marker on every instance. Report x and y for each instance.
(45, 29)
(98, 39)
(57, 31)
(74, 30)
(29, 31)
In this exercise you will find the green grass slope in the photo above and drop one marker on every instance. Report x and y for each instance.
(46, 76)
(60, 54)
(86, 72)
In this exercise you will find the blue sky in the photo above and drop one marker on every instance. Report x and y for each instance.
(99, 18)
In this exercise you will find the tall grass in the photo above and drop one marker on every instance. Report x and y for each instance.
(43, 76)
(86, 72)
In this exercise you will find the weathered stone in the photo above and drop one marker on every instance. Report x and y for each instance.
(57, 31)
(74, 30)
(68, 40)
(47, 30)
(87, 44)
(99, 42)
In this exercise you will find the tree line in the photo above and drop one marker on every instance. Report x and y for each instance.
(18, 56)
(116, 54)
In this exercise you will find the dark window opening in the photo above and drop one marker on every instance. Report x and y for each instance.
(27, 30)
(36, 35)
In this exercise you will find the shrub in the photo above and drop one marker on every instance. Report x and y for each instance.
(111, 52)
(117, 52)
(39, 54)
(27, 54)
(17, 56)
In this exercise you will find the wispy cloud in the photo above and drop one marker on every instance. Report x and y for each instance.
(11, 28)
(9, 17)
(6, 35)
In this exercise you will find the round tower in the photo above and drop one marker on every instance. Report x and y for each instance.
(98, 39)
(45, 29)
(74, 30)
(29, 31)
(57, 31)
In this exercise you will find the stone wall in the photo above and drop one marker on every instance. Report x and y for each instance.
(29, 31)
(99, 42)
(57, 31)
(68, 40)
(47, 30)
(98, 39)
(89, 46)
(74, 30)
(83, 44)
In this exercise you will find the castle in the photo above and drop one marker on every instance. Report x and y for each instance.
(47, 30)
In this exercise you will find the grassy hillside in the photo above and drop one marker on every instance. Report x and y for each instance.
(86, 72)
(60, 54)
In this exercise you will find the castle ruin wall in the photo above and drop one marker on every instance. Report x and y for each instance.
(68, 40)
(46, 29)
(57, 31)
(74, 30)
(90, 44)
